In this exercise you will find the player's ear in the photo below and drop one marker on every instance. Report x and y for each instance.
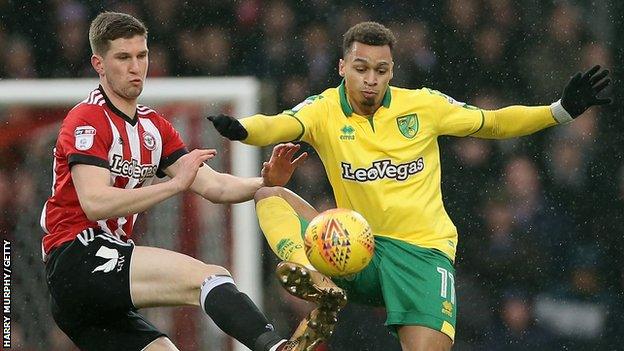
(97, 63)
(341, 67)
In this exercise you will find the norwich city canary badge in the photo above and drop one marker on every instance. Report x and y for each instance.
(408, 125)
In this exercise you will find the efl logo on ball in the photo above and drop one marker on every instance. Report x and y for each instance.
(339, 242)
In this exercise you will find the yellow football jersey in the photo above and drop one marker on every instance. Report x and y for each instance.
(386, 166)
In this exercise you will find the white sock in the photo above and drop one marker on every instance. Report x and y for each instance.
(210, 283)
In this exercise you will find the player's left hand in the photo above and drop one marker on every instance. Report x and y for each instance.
(582, 91)
(280, 167)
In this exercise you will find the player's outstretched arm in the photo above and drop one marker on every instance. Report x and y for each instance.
(100, 200)
(579, 94)
(226, 188)
(259, 130)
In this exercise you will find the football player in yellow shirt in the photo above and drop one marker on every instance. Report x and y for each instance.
(379, 146)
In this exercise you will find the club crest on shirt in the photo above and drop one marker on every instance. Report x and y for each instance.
(408, 125)
(149, 141)
(84, 136)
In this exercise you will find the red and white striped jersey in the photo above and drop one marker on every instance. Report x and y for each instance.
(95, 132)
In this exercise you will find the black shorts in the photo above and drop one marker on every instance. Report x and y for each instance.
(89, 283)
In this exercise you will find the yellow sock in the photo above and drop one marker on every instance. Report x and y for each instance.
(282, 228)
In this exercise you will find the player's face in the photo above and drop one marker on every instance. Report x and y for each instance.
(124, 66)
(367, 70)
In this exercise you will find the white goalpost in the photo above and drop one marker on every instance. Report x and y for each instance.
(238, 96)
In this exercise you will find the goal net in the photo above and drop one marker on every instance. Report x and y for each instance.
(31, 112)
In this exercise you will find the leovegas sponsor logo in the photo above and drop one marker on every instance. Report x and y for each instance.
(382, 169)
(132, 168)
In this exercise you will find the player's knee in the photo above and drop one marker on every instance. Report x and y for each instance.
(212, 269)
(266, 192)
(217, 279)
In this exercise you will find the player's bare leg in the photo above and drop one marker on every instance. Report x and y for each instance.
(418, 338)
(166, 278)
(295, 273)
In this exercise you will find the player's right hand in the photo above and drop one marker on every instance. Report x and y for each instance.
(189, 165)
(228, 126)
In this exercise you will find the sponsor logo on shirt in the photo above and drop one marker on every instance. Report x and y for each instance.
(132, 169)
(382, 169)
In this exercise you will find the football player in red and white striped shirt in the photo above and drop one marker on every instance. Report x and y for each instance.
(108, 151)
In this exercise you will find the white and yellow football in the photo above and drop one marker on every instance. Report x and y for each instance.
(339, 242)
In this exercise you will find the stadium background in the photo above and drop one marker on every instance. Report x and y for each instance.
(540, 218)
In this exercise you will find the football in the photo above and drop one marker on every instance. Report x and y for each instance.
(339, 242)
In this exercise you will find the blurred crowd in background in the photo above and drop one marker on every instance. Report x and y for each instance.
(540, 218)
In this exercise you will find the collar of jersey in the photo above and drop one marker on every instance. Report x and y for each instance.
(346, 107)
(125, 117)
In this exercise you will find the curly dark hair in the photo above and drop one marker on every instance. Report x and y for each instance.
(369, 33)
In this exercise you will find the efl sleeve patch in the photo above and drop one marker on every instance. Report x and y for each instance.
(306, 102)
(454, 102)
(84, 136)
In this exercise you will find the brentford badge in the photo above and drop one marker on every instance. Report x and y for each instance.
(84, 137)
(149, 141)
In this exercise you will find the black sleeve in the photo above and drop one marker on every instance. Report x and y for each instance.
(169, 160)
(74, 159)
